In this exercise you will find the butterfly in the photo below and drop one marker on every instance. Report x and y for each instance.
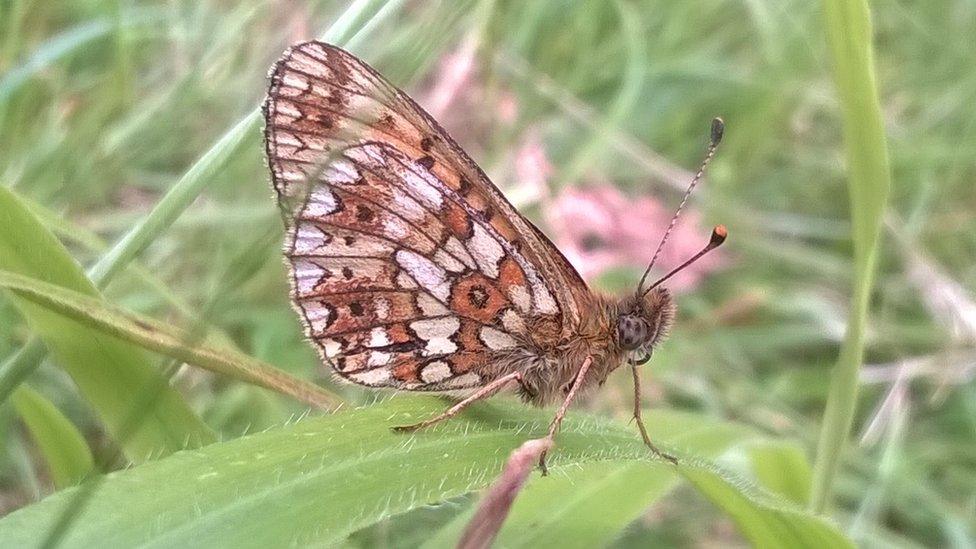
(409, 268)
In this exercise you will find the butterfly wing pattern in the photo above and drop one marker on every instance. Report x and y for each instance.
(410, 269)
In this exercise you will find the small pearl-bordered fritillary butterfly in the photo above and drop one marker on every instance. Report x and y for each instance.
(411, 271)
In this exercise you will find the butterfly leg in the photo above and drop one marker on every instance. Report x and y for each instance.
(557, 421)
(640, 420)
(482, 393)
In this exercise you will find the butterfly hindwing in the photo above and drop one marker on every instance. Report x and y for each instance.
(409, 267)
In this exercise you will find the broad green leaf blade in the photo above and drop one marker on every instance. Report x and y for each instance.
(782, 468)
(319, 480)
(848, 26)
(560, 511)
(762, 519)
(98, 315)
(115, 377)
(64, 449)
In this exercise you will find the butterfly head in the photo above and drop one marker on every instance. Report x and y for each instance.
(644, 322)
(646, 317)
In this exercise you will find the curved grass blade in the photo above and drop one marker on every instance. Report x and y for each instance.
(109, 373)
(149, 334)
(848, 26)
(319, 480)
(61, 445)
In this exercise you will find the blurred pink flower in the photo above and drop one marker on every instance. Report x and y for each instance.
(600, 228)
(531, 174)
(452, 78)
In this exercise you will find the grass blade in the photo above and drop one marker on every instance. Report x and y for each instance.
(848, 27)
(155, 336)
(64, 449)
(109, 373)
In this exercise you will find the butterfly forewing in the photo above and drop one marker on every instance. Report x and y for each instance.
(410, 269)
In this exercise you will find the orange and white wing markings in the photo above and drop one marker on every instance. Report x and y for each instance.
(409, 268)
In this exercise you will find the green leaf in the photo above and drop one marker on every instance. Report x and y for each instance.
(98, 315)
(64, 449)
(321, 479)
(762, 519)
(559, 511)
(115, 377)
(848, 26)
(782, 468)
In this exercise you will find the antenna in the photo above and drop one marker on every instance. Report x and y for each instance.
(718, 237)
(718, 129)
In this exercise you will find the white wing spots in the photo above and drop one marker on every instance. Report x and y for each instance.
(326, 241)
(421, 188)
(292, 175)
(431, 277)
(456, 249)
(497, 340)
(435, 371)
(486, 250)
(341, 172)
(430, 306)
(404, 281)
(370, 155)
(378, 338)
(448, 261)
(469, 379)
(331, 347)
(319, 317)
(321, 202)
(437, 333)
(512, 322)
(287, 109)
(382, 307)
(543, 299)
(287, 139)
(520, 297)
(295, 81)
(379, 376)
(408, 207)
(378, 358)
(394, 228)
(307, 276)
(308, 239)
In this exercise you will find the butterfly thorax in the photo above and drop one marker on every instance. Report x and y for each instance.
(550, 370)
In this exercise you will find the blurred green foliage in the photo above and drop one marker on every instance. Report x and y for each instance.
(106, 105)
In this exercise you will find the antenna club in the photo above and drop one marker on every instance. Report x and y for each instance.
(719, 234)
(718, 130)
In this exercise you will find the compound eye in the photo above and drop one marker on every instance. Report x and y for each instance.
(631, 332)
